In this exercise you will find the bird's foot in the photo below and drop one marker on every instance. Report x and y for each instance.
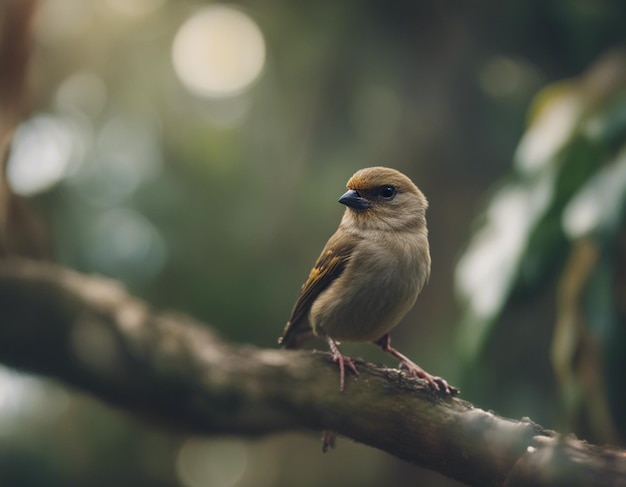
(413, 369)
(343, 362)
(437, 383)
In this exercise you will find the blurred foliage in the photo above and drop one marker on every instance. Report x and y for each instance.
(554, 232)
(218, 205)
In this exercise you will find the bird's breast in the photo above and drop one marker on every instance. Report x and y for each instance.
(378, 287)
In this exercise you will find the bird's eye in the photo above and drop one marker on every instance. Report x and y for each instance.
(387, 192)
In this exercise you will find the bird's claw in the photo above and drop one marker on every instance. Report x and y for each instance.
(437, 383)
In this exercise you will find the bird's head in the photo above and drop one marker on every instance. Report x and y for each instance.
(383, 198)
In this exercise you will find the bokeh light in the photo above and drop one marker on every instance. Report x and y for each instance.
(218, 52)
(42, 152)
(23, 398)
(84, 93)
(124, 244)
(125, 155)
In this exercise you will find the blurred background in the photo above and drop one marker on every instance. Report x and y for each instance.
(196, 152)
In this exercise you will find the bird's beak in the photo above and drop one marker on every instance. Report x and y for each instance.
(352, 199)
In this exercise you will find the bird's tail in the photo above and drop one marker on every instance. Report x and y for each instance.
(295, 334)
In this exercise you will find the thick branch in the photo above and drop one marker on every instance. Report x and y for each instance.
(88, 332)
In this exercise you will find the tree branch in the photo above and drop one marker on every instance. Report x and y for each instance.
(88, 332)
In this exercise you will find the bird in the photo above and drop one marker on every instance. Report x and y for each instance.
(370, 272)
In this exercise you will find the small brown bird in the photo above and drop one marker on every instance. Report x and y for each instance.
(370, 271)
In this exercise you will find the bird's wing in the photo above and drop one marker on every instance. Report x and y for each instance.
(328, 267)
